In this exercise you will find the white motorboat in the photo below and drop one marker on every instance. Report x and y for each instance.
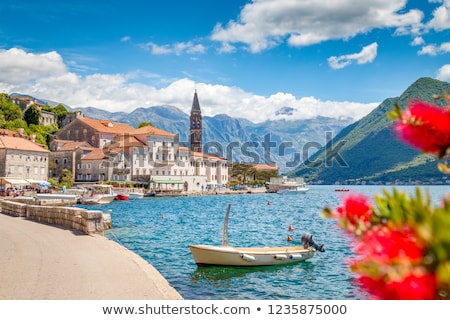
(286, 185)
(98, 194)
(293, 190)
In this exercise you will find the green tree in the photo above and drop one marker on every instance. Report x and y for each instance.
(2, 121)
(242, 171)
(8, 108)
(60, 113)
(32, 115)
(266, 175)
(144, 124)
(66, 178)
(15, 124)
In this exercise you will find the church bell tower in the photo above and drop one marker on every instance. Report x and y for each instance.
(195, 126)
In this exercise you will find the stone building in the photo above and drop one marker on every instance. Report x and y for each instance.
(94, 166)
(103, 150)
(67, 154)
(22, 161)
(98, 133)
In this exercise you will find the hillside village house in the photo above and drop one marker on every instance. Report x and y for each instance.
(22, 162)
(119, 152)
(24, 102)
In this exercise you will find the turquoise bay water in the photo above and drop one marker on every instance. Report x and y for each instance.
(160, 229)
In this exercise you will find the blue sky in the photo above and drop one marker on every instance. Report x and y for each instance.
(246, 59)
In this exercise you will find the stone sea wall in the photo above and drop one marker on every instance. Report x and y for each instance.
(86, 221)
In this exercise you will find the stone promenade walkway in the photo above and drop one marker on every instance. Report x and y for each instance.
(43, 262)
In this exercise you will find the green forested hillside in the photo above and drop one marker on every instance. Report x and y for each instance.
(368, 150)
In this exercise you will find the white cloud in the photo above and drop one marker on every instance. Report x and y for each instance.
(434, 50)
(121, 92)
(263, 24)
(366, 55)
(444, 73)
(417, 41)
(18, 66)
(177, 48)
(441, 17)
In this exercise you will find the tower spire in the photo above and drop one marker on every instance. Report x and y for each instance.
(196, 125)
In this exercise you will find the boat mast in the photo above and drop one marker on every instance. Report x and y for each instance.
(225, 227)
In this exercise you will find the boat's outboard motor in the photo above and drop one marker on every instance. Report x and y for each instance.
(308, 241)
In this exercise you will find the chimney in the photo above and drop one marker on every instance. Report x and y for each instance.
(33, 138)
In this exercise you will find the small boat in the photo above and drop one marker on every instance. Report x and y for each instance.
(287, 185)
(341, 190)
(225, 255)
(121, 197)
(98, 194)
(135, 195)
(293, 190)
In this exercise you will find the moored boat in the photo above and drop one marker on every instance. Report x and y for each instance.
(225, 255)
(135, 195)
(287, 185)
(98, 194)
(294, 189)
(207, 255)
(121, 197)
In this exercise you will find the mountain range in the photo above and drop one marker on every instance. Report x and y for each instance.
(321, 150)
(237, 139)
(368, 151)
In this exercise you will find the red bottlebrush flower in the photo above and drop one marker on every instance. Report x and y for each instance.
(425, 127)
(355, 208)
(411, 287)
(385, 244)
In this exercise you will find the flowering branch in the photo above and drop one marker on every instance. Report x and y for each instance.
(426, 127)
(402, 242)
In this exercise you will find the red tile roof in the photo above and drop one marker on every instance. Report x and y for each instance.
(95, 154)
(107, 126)
(20, 144)
(73, 145)
(150, 130)
(263, 166)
